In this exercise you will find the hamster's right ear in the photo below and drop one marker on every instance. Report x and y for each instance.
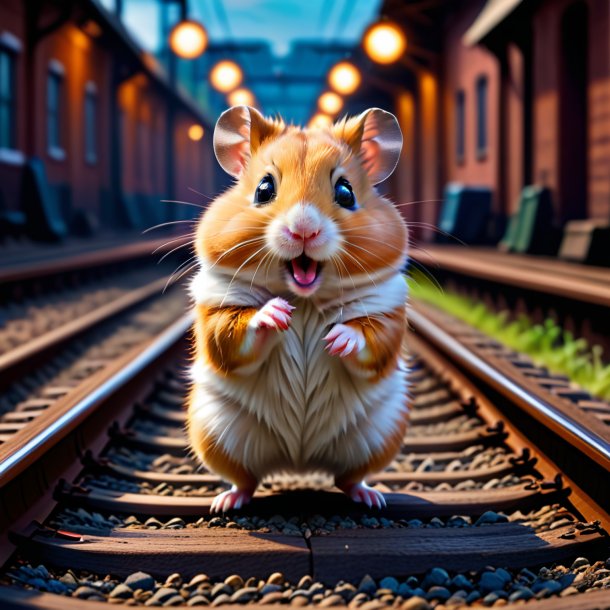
(239, 132)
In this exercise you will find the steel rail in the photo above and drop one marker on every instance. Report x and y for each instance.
(340, 555)
(30, 352)
(567, 427)
(15, 463)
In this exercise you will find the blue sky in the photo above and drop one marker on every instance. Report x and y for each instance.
(278, 21)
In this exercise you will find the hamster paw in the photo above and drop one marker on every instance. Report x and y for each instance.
(275, 313)
(232, 499)
(361, 492)
(343, 340)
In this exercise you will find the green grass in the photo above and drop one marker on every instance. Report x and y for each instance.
(547, 344)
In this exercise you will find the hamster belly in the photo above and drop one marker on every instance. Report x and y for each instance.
(302, 409)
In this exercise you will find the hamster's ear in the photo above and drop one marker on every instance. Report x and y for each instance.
(376, 137)
(239, 132)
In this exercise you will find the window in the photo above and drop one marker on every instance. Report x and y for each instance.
(54, 103)
(481, 117)
(8, 136)
(90, 123)
(460, 118)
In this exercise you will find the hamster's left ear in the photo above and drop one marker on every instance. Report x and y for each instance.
(376, 137)
(238, 133)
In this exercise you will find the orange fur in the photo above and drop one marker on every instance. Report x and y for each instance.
(384, 335)
(233, 233)
(220, 333)
(239, 242)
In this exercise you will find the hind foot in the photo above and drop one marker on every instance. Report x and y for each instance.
(361, 492)
(232, 499)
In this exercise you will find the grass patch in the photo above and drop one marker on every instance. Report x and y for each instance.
(547, 344)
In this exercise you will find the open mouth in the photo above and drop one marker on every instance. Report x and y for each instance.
(304, 270)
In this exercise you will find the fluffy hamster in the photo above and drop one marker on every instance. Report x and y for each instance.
(300, 306)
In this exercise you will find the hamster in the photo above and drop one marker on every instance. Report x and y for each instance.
(300, 306)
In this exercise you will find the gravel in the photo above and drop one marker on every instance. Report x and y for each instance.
(83, 521)
(33, 316)
(92, 352)
(437, 586)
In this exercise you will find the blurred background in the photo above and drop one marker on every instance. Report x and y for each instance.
(107, 108)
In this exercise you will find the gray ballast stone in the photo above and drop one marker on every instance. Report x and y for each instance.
(367, 585)
(163, 594)
(140, 580)
(88, 593)
(435, 577)
(389, 583)
(121, 591)
(490, 581)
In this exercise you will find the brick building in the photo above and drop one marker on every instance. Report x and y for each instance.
(93, 119)
(510, 93)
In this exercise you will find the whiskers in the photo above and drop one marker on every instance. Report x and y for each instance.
(240, 268)
(411, 262)
(189, 265)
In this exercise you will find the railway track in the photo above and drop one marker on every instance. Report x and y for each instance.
(113, 508)
(62, 335)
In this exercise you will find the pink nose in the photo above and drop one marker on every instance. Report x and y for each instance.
(305, 234)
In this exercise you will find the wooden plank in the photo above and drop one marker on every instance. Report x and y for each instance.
(216, 552)
(177, 445)
(452, 477)
(517, 441)
(399, 505)
(456, 476)
(431, 415)
(350, 554)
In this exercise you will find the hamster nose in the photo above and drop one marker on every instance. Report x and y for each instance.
(303, 222)
(304, 234)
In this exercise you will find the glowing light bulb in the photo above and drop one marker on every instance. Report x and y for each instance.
(188, 39)
(344, 78)
(225, 76)
(320, 120)
(330, 103)
(195, 132)
(241, 97)
(384, 42)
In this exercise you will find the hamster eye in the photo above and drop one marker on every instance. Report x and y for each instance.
(344, 195)
(265, 191)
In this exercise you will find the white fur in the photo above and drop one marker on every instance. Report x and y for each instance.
(299, 408)
(303, 219)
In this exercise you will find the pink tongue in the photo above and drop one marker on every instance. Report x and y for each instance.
(302, 276)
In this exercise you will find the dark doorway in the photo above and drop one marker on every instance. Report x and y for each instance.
(573, 112)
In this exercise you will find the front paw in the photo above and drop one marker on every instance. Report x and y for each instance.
(343, 340)
(275, 313)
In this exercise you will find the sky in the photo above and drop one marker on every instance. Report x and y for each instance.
(278, 21)
(281, 24)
